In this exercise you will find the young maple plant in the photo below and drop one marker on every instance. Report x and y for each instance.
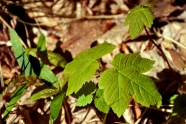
(125, 79)
(115, 85)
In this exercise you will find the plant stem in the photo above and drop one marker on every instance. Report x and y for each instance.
(9, 27)
(105, 117)
(163, 54)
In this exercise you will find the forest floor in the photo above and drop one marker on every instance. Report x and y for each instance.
(71, 26)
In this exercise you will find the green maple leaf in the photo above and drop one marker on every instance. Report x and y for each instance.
(86, 94)
(126, 79)
(84, 100)
(84, 66)
(100, 103)
(139, 17)
(56, 104)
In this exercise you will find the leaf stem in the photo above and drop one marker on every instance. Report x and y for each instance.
(105, 117)
(163, 54)
(67, 111)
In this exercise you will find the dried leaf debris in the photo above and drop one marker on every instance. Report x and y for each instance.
(73, 26)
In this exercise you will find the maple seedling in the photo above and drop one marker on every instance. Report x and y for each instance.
(115, 85)
(139, 17)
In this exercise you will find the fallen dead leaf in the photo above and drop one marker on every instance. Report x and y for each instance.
(164, 8)
(177, 59)
(82, 36)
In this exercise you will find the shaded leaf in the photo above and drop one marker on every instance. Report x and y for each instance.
(172, 99)
(56, 104)
(42, 71)
(139, 17)
(126, 79)
(42, 49)
(179, 105)
(15, 97)
(84, 66)
(53, 58)
(86, 94)
(61, 82)
(29, 64)
(44, 93)
(41, 46)
(87, 88)
(100, 103)
(19, 53)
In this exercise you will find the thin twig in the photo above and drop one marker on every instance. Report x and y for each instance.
(168, 119)
(139, 119)
(27, 36)
(174, 41)
(5, 23)
(105, 117)
(9, 27)
(163, 54)
(67, 111)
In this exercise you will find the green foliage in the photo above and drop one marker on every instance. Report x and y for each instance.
(53, 58)
(19, 53)
(61, 82)
(84, 66)
(84, 100)
(47, 57)
(116, 85)
(29, 64)
(42, 49)
(126, 79)
(41, 46)
(44, 93)
(15, 97)
(100, 103)
(139, 17)
(56, 104)
(86, 94)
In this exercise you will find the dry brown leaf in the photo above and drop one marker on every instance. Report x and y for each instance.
(50, 13)
(183, 41)
(177, 59)
(164, 8)
(83, 34)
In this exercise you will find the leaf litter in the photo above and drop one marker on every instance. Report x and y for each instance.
(73, 30)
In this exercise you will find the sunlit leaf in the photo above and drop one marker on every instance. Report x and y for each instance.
(84, 100)
(44, 93)
(41, 46)
(100, 103)
(125, 80)
(139, 17)
(61, 82)
(19, 53)
(84, 66)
